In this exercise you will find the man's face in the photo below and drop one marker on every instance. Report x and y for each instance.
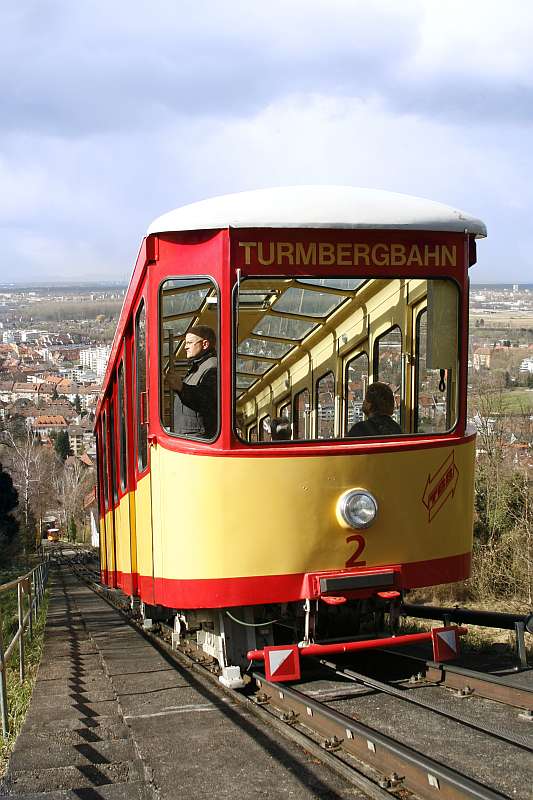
(194, 346)
(367, 407)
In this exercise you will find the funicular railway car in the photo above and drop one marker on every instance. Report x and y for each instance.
(53, 534)
(248, 541)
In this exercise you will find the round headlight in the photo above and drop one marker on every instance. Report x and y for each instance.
(356, 509)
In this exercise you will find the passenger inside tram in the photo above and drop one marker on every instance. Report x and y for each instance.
(280, 428)
(195, 394)
(378, 408)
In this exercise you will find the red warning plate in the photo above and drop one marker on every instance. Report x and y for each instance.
(282, 663)
(445, 643)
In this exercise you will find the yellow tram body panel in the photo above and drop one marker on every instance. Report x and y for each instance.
(110, 542)
(143, 527)
(122, 536)
(219, 518)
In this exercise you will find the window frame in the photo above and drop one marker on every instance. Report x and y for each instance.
(418, 314)
(112, 449)
(203, 279)
(261, 427)
(347, 361)
(99, 471)
(252, 431)
(316, 409)
(105, 459)
(281, 406)
(141, 428)
(295, 431)
(122, 426)
(375, 367)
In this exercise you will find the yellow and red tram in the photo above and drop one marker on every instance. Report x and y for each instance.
(314, 293)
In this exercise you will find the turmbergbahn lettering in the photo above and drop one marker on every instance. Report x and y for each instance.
(348, 254)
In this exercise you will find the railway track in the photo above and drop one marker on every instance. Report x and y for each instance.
(482, 751)
(469, 682)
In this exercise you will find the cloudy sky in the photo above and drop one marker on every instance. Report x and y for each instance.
(114, 112)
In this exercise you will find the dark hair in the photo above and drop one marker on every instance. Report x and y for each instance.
(205, 332)
(380, 398)
(280, 428)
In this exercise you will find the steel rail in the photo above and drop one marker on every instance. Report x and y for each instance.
(386, 688)
(492, 687)
(408, 768)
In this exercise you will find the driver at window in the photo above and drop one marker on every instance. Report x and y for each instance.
(378, 407)
(195, 395)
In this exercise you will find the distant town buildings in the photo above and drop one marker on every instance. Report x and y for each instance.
(95, 359)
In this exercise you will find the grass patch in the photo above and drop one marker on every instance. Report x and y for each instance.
(517, 400)
(19, 694)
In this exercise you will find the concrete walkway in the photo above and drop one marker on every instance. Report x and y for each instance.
(112, 718)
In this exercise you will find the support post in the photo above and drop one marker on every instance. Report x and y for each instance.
(30, 617)
(3, 687)
(520, 644)
(21, 631)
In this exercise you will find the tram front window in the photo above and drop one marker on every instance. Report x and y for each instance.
(315, 347)
(188, 357)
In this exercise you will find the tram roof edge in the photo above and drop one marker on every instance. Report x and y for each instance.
(344, 207)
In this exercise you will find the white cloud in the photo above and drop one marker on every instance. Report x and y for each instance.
(115, 113)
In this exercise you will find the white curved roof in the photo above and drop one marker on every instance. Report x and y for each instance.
(318, 207)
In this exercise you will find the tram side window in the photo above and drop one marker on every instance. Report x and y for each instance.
(188, 357)
(436, 360)
(252, 433)
(355, 386)
(140, 370)
(99, 472)
(325, 406)
(105, 471)
(122, 427)
(285, 411)
(388, 365)
(302, 413)
(112, 459)
(264, 429)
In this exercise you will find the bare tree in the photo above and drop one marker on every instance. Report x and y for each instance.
(23, 461)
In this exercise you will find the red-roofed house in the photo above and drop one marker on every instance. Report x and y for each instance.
(46, 424)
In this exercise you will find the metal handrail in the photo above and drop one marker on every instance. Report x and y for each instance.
(32, 586)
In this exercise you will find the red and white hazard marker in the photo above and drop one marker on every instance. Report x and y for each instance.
(445, 643)
(282, 663)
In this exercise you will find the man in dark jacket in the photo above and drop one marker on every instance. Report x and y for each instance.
(195, 395)
(378, 407)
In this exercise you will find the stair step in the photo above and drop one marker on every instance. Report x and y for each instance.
(86, 776)
(58, 753)
(112, 791)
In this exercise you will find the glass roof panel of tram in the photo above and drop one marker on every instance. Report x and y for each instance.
(261, 347)
(287, 310)
(252, 366)
(307, 302)
(345, 284)
(183, 301)
(244, 381)
(283, 328)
